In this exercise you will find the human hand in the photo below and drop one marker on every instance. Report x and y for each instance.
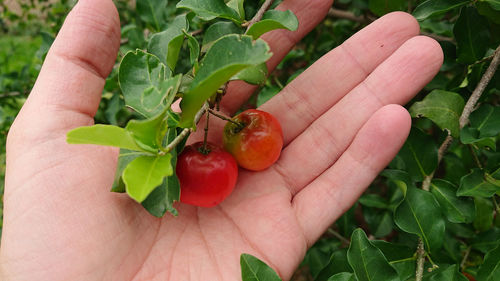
(341, 127)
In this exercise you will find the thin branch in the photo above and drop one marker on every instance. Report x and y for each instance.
(419, 274)
(341, 14)
(11, 94)
(259, 14)
(469, 107)
(464, 260)
(338, 236)
(186, 131)
(483, 83)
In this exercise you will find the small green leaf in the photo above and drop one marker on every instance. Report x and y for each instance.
(374, 201)
(475, 184)
(218, 30)
(163, 197)
(126, 156)
(142, 79)
(107, 135)
(490, 269)
(470, 135)
(238, 6)
(486, 119)
(194, 48)
(272, 20)
(420, 214)
(338, 263)
(149, 133)
(487, 240)
(443, 108)
(145, 173)
(210, 9)
(253, 269)
(457, 210)
(368, 261)
(472, 34)
(152, 12)
(419, 154)
(167, 44)
(434, 7)
(228, 56)
(256, 75)
(343, 276)
(484, 214)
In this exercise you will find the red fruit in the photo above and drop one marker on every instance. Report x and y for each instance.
(206, 177)
(257, 143)
(470, 277)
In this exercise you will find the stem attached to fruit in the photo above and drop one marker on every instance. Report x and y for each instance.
(204, 148)
(186, 131)
(240, 125)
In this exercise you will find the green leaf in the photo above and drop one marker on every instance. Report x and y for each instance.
(145, 173)
(238, 6)
(420, 214)
(470, 135)
(228, 56)
(149, 133)
(218, 30)
(434, 7)
(163, 197)
(126, 156)
(449, 274)
(368, 261)
(475, 184)
(419, 154)
(256, 75)
(495, 4)
(338, 263)
(374, 201)
(457, 210)
(253, 269)
(272, 20)
(194, 48)
(484, 214)
(443, 108)
(486, 119)
(210, 9)
(487, 240)
(107, 135)
(344, 276)
(144, 81)
(152, 12)
(382, 7)
(472, 34)
(490, 269)
(489, 9)
(167, 44)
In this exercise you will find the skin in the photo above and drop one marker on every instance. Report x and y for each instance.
(258, 144)
(342, 123)
(206, 178)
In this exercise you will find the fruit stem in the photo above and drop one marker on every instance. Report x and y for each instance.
(239, 124)
(205, 137)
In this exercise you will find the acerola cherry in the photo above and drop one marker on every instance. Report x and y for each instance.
(207, 175)
(256, 142)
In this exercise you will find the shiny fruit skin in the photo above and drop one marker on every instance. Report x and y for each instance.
(206, 179)
(256, 144)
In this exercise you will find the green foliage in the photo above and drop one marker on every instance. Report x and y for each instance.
(253, 269)
(169, 54)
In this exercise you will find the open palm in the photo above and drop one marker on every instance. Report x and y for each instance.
(341, 125)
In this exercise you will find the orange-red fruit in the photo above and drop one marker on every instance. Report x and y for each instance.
(206, 177)
(256, 144)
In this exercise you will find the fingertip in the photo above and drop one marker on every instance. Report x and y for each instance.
(404, 20)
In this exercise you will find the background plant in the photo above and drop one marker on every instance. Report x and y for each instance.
(435, 206)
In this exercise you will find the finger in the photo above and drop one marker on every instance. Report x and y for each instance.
(68, 89)
(309, 14)
(338, 72)
(331, 194)
(396, 80)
